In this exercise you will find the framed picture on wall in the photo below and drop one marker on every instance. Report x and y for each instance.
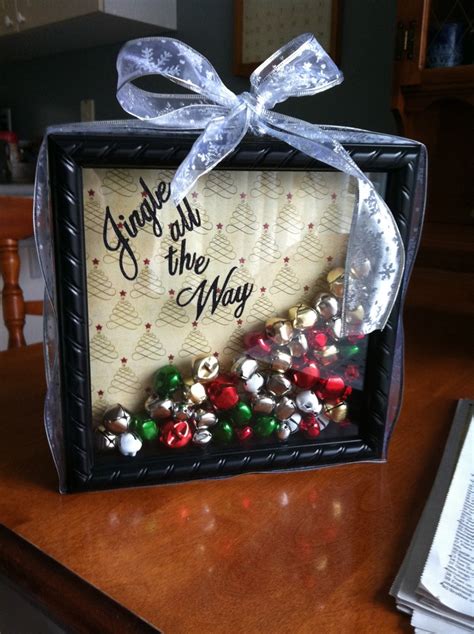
(262, 26)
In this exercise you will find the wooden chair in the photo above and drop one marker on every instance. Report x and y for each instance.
(16, 223)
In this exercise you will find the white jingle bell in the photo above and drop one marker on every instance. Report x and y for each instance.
(293, 422)
(244, 367)
(307, 402)
(283, 432)
(323, 420)
(254, 384)
(202, 437)
(128, 444)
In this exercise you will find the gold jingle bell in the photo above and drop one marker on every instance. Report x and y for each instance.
(279, 330)
(335, 280)
(335, 410)
(328, 355)
(326, 305)
(205, 368)
(302, 316)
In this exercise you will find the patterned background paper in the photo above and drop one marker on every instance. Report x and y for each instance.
(282, 230)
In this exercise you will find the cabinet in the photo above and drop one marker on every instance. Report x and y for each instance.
(29, 28)
(435, 105)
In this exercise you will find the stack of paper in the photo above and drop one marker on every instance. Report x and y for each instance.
(436, 580)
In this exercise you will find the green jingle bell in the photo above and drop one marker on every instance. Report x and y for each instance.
(350, 351)
(241, 414)
(265, 426)
(145, 428)
(223, 432)
(167, 379)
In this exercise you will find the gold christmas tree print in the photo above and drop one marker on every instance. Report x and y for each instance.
(113, 257)
(310, 248)
(124, 381)
(147, 284)
(119, 181)
(98, 284)
(222, 316)
(265, 248)
(289, 220)
(93, 213)
(124, 315)
(172, 314)
(99, 406)
(220, 183)
(101, 348)
(206, 224)
(320, 284)
(220, 248)
(314, 184)
(262, 309)
(243, 218)
(235, 343)
(267, 184)
(166, 242)
(148, 346)
(166, 176)
(242, 275)
(286, 281)
(195, 343)
(334, 220)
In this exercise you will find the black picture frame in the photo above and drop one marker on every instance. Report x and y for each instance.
(68, 154)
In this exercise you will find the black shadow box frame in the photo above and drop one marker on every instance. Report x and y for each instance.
(68, 153)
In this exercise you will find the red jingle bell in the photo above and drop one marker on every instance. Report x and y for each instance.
(176, 434)
(352, 373)
(244, 433)
(306, 376)
(223, 393)
(310, 426)
(317, 339)
(299, 362)
(257, 344)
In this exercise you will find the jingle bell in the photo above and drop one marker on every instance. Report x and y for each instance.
(335, 410)
(278, 384)
(283, 431)
(285, 408)
(145, 428)
(326, 305)
(293, 422)
(244, 367)
(316, 339)
(280, 360)
(182, 411)
(104, 440)
(257, 344)
(204, 418)
(361, 269)
(160, 409)
(355, 315)
(254, 383)
(117, 419)
(328, 355)
(166, 380)
(202, 437)
(298, 346)
(335, 328)
(323, 420)
(311, 428)
(265, 426)
(279, 330)
(223, 432)
(197, 393)
(241, 414)
(307, 402)
(244, 433)
(129, 444)
(176, 434)
(205, 368)
(307, 376)
(222, 393)
(333, 387)
(302, 316)
(335, 280)
(263, 404)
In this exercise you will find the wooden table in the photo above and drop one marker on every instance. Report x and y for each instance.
(294, 552)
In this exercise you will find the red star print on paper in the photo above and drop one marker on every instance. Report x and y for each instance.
(171, 292)
(146, 261)
(144, 194)
(306, 288)
(289, 195)
(91, 193)
(219, 225)
(266, 225)
(262, 289)
(170, 357)
(239, 322)
(95, 261)
(123, 293)
(195, 323)
(123, 360)
(329, 258)
(120, 225)
(100, 392)
(194, 195)
(216, 354)
(334, 195)
(310, 226)
(98, 327)
(148, 326)
(243, 196)
(286, 260)
(241, 260)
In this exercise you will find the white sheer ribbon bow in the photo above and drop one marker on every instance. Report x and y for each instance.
(375, 255)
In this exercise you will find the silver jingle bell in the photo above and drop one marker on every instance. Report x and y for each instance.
(361, 269)
(117, 419)
(263, 404)
(204, 418)
(104, 440)
(202, 437)
(129, 444)
(298, 346)
(205, 368)
(293, 422)
(328, 355)
(278, 384)
(279, 330)
(326, 305)
(182, 411)
(280, 360)
(302, 316)
(285, 408)
(161, 409)
(307, 402)
(254, 384)
(335, 328)
(244, 367)
(283, 432)
(355, 315)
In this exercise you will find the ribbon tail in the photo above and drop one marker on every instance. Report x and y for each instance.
(219, 138)
(375, 253)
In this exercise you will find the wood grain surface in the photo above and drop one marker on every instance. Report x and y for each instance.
(305, 552)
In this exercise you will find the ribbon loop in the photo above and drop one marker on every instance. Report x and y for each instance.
(375, 253)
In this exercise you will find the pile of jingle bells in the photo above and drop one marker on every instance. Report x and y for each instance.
(283, 384)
